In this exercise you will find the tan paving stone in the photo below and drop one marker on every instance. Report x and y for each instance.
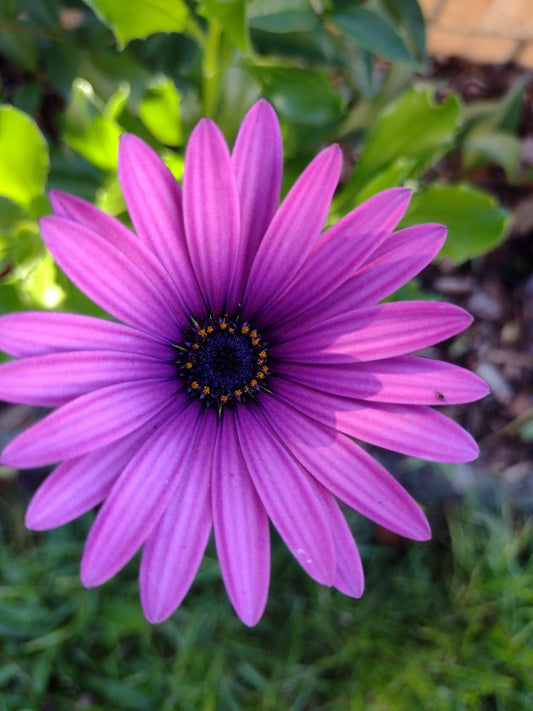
(463, 16)
(525, 56)
(500, 18)
(429, 7)
(483, 49)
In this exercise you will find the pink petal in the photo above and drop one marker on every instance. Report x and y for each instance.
(78, 210)
(138, 498)
(175, 548)
(294, 230)
(349, 574)
(32, 333)
(404, 379)
(211, 212)
(77, 485)
(409, 429)
(154, 202)
(89, 422)
(348, 472)
(54, 379)
(373, 332)
(126, 289)
(340, 251)
(401, 257)
(85, 214)
(289, 499)
(241, 527)
(257, 161)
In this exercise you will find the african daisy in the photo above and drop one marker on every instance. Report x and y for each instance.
(247, 355)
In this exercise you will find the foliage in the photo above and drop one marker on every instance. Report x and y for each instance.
(445, 625)
(84, 73)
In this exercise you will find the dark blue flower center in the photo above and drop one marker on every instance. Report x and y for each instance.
(223, 360)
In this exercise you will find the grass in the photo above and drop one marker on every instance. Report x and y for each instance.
(443, 626)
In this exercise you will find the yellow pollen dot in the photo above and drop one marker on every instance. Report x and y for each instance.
(231, 330)
(245, 329)
(237, 393)
(206, 390)
(223, 325)
(188, 365)
(210, 329)
(224, 398)
(260, 361)
(195, 385)
(262, 354)
(255, 341)
(265, 369)
(253, 334)
(253, 382)
(259, 375)
(202, 332)
(196, 346)
(246, 389)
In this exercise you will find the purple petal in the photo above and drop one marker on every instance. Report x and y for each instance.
(401, 257)
(348, 471)
(289, 499)
(154, 202)
(211, 212)
(405, 379)
(54, 379)
(372, 332)
(175, 548)
(138, 498)
(257, 161)
(409, 429)
(241, 527)
(78, 210)
(32, 333)
(89, 422)
(349, 574)
(294, 230)
(340, 251)
(77, 485)
(128, 290)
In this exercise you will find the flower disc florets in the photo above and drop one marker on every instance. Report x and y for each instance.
(223, 360)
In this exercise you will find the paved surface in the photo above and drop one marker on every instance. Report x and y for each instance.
(492, 31)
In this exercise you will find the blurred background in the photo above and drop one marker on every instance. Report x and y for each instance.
(436, 96)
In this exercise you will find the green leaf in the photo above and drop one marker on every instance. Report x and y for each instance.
(494, 147)
(159, 110)
(476, 223)
(409, 15)
(41, 285)
(508, 111)
(231, 15)
(282, 16)
(372, 32)
(136, 19)
(88, 129)
(412, 127)
(301, 96)
(393, 175)
(24, 160)
(20, 48)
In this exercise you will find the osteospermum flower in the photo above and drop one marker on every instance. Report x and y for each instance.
(247, 356)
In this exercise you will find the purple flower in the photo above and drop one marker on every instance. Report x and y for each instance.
(250, 356)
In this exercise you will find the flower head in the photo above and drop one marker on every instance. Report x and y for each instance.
(247, 354)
